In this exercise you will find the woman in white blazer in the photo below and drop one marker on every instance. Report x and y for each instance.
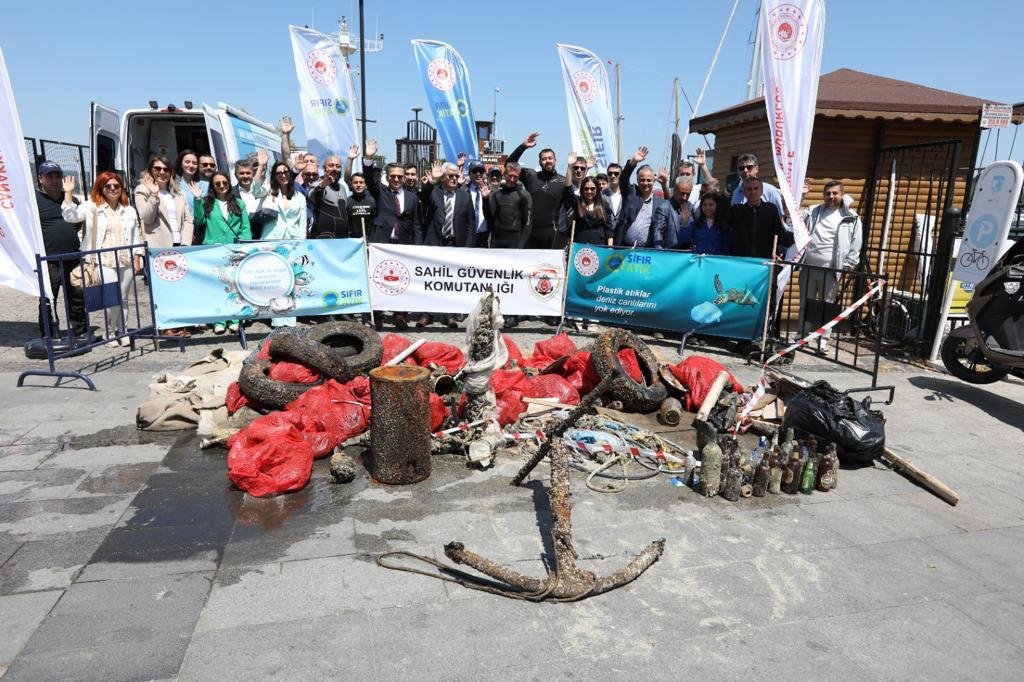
(110, 221)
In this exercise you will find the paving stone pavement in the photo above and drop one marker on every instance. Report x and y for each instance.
(128, 556)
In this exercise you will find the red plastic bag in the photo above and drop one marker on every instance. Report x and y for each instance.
(580, 373)
(551, 386)
(442, 354)
(234, 399)
(513, 351)
(292, 372)
(504, 379)
(438, 412)
(270, 456)
(264, 352)
(393, 345)
(697, 373)
(627, 358)
(547, 351)
(509, 405)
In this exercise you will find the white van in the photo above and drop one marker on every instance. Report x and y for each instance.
(126, 142)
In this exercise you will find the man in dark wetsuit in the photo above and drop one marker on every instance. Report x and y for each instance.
(509, 212)
(546, 188)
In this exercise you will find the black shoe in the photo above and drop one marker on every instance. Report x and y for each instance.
(550, 321)
(400, 322)
(424, 320)
(451, 323)
(511, 320)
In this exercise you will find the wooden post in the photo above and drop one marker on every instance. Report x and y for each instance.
(400, 424)
(768, 304)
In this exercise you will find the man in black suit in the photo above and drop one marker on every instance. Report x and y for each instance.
(398, 216)
(448, 218)
(639, 204)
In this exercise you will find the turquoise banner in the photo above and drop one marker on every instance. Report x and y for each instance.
(252, 280)
(671, 290)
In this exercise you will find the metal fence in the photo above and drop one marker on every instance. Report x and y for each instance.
(74, 159)
(911, 189)
(112, 306)
(814, 296)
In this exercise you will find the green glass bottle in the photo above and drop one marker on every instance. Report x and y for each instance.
(807, 478)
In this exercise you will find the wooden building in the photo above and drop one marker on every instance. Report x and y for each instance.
(859, 115)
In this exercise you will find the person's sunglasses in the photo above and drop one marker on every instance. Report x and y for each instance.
(750, 166)
(283, 173)
(396, 177)
(161, 169)
(221, 184)
(477, 170)
(208, 165)
(310, 178)
(613, 174)
(452, 175)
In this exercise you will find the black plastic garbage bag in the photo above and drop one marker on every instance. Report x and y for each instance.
(834, 417)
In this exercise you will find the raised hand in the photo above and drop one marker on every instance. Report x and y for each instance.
(591, 161)
(69, 184)
(462, 159)
(435, 171)
(571, 158)
(262, 157)
(485, 189)
(151, 184)
(286, 125)
(531, 140)
(663, 174)
(194, 187)
(640, 154)
(353, 152)
(371, 148)
(700, 157)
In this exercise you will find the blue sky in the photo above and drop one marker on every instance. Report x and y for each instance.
(63, 54)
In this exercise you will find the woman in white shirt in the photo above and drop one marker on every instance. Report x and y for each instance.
(109, 222)
(288, 205)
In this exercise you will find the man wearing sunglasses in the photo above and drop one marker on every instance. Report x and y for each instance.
(612, 193)
(747, 167)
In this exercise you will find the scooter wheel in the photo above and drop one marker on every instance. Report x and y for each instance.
(964, 360)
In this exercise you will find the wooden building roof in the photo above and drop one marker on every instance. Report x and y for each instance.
(855, 94)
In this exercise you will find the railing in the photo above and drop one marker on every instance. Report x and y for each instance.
(116, 300)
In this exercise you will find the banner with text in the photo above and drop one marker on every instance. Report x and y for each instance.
(672, 290)
(254, 280)
(792, 35)
(441, 279)
(325, 93)
(446, 82)
(591, 121)
(21, 237)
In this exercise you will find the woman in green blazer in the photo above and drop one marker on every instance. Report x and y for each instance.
(220, 218)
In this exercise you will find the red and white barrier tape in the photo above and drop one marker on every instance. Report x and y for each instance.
(631, 450)
(762, 385)
(465, 427)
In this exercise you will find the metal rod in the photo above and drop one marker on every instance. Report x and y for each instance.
(362, 69)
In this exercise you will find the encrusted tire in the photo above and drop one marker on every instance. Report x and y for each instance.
(256, 385)
(327, 361)
(636, 397)
(339, 335)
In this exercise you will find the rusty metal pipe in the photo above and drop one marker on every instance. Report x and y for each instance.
(400, 424)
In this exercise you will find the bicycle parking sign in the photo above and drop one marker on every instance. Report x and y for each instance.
(988, 221)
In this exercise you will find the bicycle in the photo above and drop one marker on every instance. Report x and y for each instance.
(977, 258)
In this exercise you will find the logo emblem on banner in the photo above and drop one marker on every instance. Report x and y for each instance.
(586, 262)
(441, 74)
(170, 266)
(341, 106)
(391, 277)
(264, 277)
(787, 30)
(586, 86)
(544, 281)
(321, 66)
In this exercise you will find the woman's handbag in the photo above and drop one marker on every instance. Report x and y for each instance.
(87, 273)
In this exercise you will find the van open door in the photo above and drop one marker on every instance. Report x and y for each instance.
(104, 140)
(215, 131)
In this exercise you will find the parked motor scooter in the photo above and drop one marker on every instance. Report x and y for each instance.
(992, 344)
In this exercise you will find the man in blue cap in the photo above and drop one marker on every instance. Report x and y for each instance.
(59, 236)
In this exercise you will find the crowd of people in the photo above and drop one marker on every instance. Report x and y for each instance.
(455, 204)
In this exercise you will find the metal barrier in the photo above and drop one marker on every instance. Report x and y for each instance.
(74, 159)
(117, 300)
(814, 296)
